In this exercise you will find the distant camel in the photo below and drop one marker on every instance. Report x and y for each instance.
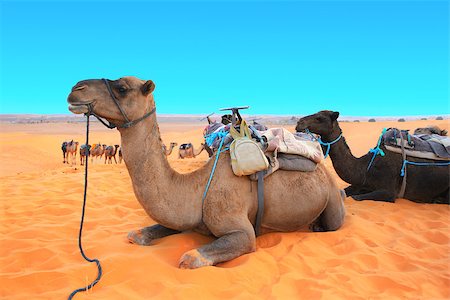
(64, 151)
(97, 151)
(110, 152)
(71, 151)
(84, 153)
(431, 129)
(169, 151)
(187, 150)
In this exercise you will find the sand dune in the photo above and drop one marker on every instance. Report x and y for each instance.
(383, 251)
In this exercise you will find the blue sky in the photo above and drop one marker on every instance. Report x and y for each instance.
(365, 58)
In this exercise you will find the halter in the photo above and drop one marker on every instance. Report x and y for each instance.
(327, 144)
(112, 125)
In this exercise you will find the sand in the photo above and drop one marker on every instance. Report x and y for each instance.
(383, 251)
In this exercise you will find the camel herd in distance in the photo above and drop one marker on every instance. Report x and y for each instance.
(98, 151)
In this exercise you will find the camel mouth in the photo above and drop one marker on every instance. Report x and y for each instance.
(78, 108)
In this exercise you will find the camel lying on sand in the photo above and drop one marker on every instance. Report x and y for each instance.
(431, 129)
(166, 151)
(187, 150)
(110, 152)
(427, 184)
(293, 200)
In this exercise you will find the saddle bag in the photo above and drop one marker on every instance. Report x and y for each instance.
(246, 155)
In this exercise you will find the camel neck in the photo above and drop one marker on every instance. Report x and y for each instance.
(349, 168)
(161, 191)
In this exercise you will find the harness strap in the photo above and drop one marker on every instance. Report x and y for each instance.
(260, 211)
(377, 149)
(401, 194)
(115, 99)
(328, 144)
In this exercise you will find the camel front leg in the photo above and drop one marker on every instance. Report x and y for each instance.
(146, 235)
(225, 248)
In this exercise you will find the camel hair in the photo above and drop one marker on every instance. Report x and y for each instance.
(382, 182)
(110, 152)
(188, 150)
(168, 151)
(293, 200)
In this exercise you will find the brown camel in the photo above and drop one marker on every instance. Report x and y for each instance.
(425, 184)
(187, 150)
(168, 151)
(293, 200)
(110, 152)
(71, 151)
(97, 151)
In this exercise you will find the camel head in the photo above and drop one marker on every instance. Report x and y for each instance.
(173, 144)
(134, 97)
(323, 123)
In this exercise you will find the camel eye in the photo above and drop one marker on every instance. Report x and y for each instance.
(122, 89)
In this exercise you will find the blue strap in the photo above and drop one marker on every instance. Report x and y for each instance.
(377, 149)
(407, 162)
(210, 138)
(214, 168)
(328, 145)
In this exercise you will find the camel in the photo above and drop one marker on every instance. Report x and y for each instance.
(64, 151)
(187, 150)
(120, 155)
(97, 151)
(84, 153)
(70, 151)
(110, 152)
(293, 200)
(168, 151)
(431, 129)
(382, 182)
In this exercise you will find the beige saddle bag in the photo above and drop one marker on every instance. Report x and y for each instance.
(246, 155)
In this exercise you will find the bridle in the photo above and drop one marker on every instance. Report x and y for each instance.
(110, 125)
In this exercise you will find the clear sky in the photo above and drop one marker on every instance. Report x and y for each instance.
(365, 58)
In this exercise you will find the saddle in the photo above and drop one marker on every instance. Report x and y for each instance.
(428, 146)
(185, 146)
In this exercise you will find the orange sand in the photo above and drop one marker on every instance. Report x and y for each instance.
(383, 251)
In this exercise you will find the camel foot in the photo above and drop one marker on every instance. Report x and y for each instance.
(138, 238)
(194, 259)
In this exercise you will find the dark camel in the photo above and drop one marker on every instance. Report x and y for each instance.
(382, 182)
(293, 200)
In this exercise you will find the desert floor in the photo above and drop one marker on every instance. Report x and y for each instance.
(383, 251)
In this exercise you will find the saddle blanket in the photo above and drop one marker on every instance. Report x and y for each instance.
(422, 146)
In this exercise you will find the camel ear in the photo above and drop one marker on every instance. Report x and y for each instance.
(334, 115)
(148, 87)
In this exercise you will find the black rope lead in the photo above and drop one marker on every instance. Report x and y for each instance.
(99, 275)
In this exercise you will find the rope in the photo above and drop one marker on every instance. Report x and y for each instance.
(328, 144)
(99, 275)
(377, 149)
(213, 169)
(407, 162)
